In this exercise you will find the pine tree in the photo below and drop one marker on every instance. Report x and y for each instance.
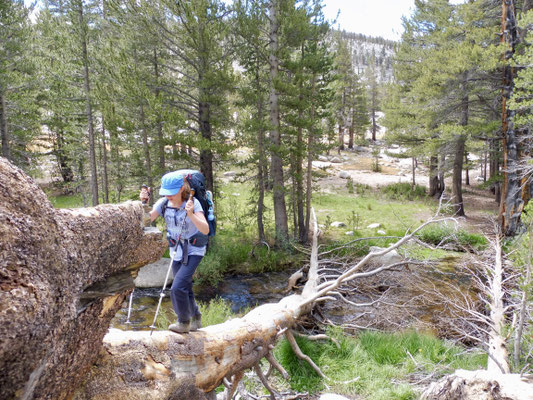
(18, 89)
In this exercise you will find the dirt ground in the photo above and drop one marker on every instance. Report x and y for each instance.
(480, 206)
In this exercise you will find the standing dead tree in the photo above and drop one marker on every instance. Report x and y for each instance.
(485, 319)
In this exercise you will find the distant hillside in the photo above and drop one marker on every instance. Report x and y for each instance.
(364, 47)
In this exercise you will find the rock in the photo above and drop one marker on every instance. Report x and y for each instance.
(153, 275)
(332, 396)
(323, 158)
(64, 274)
(381, 232)
(479, 179)
(321, 164)
(349, 233)
(235, 194)
(392, 257)
(374, 225)
(344, 175)
(360, 149)
(480, 385)
(338, 224)
(335, 160)
(230, 174)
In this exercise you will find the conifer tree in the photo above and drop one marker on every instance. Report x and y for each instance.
(18, 88)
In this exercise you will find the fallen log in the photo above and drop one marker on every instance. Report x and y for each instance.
(63, 276)
(166, 365)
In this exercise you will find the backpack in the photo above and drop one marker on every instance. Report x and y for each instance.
(196, 181)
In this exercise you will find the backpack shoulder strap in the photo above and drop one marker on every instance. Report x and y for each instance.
(164, 208)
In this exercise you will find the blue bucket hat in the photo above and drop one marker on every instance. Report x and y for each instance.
(171, 184)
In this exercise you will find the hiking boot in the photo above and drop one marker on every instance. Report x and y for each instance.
(196, 322)
(180, 327)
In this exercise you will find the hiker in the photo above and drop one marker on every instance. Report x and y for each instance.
(187, 230)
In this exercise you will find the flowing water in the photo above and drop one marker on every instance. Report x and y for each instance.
(243, 291)
(240, 291)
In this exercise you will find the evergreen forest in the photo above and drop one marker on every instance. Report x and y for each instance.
(284, 114)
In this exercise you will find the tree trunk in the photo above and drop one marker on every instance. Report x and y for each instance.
(280, 209)
(513, 198)
(467, 175)
(498, 360)
(351, 136)
(146, 146)
(374, 123)
(88, 106)
(300, 151)
(159, 120)
(413, 166)
(206, 155)
(64, 273)
(168, 365)
(6, 150)
(63, 162)
(309, 177)
(341, 139)
(104, 160)
(433, 176)
(457, 191)
(262, 162)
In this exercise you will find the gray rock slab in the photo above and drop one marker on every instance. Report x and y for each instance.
(153, 275)
(392, 257)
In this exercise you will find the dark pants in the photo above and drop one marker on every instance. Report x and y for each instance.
(181, 292)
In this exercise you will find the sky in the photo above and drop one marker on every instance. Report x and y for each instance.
(371, 17)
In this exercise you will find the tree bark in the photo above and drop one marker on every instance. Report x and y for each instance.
(63, 275)
(88, 106)
(262, 162)
(206, 155)
(513, 198)
(4, 133)
(498, 360)
(433, 176)
(280, 209)
(159, 121)
(457, 191)
(309, 174)
(104, 162)
(63, 161)
(146, 146)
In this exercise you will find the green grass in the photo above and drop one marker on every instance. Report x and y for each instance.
(394, 216)
(382, 362)
(64, 201)
(215, 312)
(442, 234)
(404, 191)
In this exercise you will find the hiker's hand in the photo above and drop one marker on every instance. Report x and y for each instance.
(189, 207)
(145, 195)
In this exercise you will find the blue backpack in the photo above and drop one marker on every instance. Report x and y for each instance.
(196, 181)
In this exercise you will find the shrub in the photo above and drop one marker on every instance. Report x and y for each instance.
(404, 191)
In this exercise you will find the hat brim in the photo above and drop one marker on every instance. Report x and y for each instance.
(168, 192)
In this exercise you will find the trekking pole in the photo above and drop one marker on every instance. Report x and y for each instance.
(162, 294)
(129, 308)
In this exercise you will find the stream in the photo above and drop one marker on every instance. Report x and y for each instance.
(241, 291)
(402, 287)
